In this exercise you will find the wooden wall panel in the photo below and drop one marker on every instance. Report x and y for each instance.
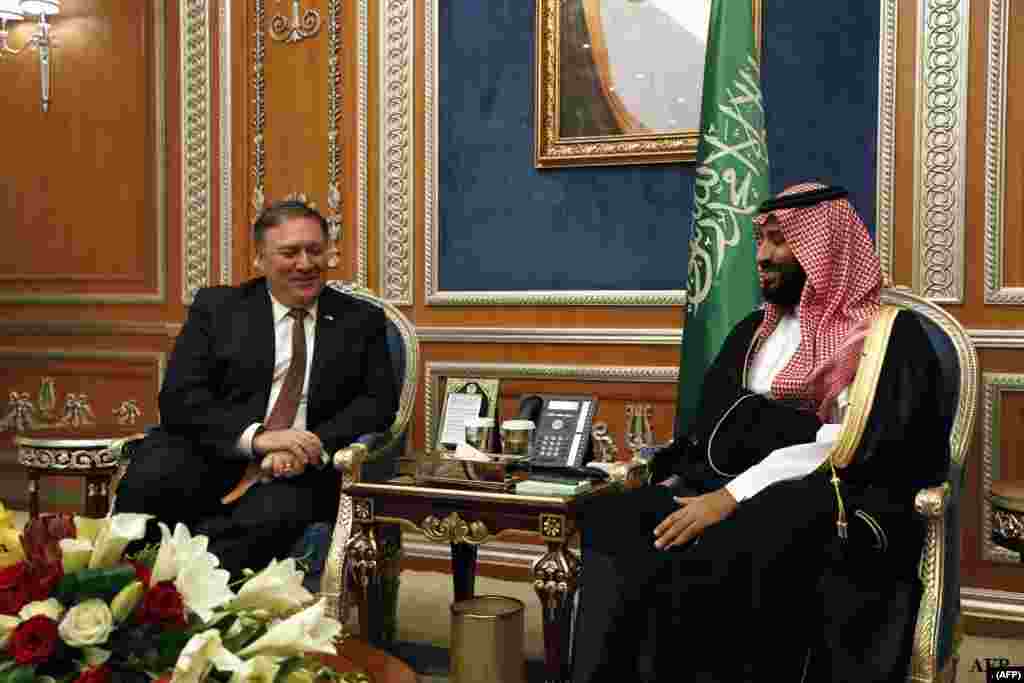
(82, 205)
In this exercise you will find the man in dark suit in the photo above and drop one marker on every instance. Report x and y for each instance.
(265, 382)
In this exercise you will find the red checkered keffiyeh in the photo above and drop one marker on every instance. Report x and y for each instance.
(841, 297)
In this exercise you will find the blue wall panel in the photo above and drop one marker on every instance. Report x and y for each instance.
(506, 226)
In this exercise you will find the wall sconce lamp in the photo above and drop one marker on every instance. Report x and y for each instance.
(15, 10)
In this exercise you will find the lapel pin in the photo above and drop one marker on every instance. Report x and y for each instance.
(328, 316)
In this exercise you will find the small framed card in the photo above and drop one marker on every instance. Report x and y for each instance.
(464, 399)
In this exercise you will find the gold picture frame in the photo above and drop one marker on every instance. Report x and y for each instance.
(586, 116)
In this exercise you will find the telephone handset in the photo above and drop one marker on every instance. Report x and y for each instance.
(561, 438)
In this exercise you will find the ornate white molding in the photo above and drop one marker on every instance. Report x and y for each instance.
(995, 158)
(226, 226)
(940, 149)
(885, 179)
(362, 144)
(994, 385)
(195, 146)
(529, 335)
(434, 295)
(997, 339)
(435, 371)
(396, 152)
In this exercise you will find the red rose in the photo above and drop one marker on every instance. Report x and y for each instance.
(14, 588)
(34, 641)
(142, 572)
(42, 535)
(99, 674)
(162, 605)
(42, 579)
(166, 678)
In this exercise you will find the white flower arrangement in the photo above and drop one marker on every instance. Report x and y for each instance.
(74, 609)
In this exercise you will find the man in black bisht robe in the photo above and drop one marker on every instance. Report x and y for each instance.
(738, 554)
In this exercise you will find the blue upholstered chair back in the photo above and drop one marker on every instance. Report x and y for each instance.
(940, 559)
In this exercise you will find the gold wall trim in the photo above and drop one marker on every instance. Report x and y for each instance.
(651, 374)
(996, 292)
(79, 328)
(397, 152)
(195, 146)
(362, 142)
(11, 352)
(885, 179)
(994, 385)
(159, 219)
(940, 149)
(226, 149)
(530, 335)
(984, 603)
(434, 295)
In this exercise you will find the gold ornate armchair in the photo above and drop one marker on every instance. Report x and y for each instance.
(373, 456)
(939, 568)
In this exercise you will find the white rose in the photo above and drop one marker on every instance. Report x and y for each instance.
(277, 589)
(87, 623)
(75, 554)
(7, 626)
(48, 608)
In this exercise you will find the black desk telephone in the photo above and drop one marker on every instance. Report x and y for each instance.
(561, 440)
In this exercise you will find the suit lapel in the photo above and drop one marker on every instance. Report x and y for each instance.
(260, 344)
(329, 325)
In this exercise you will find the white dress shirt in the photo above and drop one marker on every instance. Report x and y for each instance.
(791, 462)
(283, 326)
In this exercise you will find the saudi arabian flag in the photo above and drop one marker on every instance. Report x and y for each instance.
(731, 181)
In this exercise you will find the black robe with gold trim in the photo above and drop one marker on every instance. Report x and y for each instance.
(772, 593)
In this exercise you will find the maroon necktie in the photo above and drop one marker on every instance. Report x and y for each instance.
(282, 416)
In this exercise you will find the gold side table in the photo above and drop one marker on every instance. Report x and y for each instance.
(72, 452)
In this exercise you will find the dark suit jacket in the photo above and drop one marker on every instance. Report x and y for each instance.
(219, 374)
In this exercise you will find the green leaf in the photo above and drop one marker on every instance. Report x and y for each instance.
(94, 583)
(20, 674)
(287, 667)
(169, 646)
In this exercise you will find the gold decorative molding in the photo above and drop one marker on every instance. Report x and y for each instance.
(454, 529)
(159, 170)
(22, 413)
(226, 196)
(396, 152)
(994, 386)
(436, 371)
(300, 26)
(995, 159)
(941, 149)
(195, 146)
(88, 328)
(362, 144)
(258, 200)
(885, 178)
(532, 335)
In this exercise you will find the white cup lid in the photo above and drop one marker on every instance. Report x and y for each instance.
(517, 424)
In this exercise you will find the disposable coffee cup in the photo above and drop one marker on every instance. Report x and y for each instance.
(515, 437)
(480, 433)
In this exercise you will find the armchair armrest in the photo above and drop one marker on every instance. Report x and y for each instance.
(931, 503)
(349, 460)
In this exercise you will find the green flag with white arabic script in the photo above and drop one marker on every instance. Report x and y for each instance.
(730, 182)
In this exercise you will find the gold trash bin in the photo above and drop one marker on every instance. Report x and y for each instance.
(487, 640)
